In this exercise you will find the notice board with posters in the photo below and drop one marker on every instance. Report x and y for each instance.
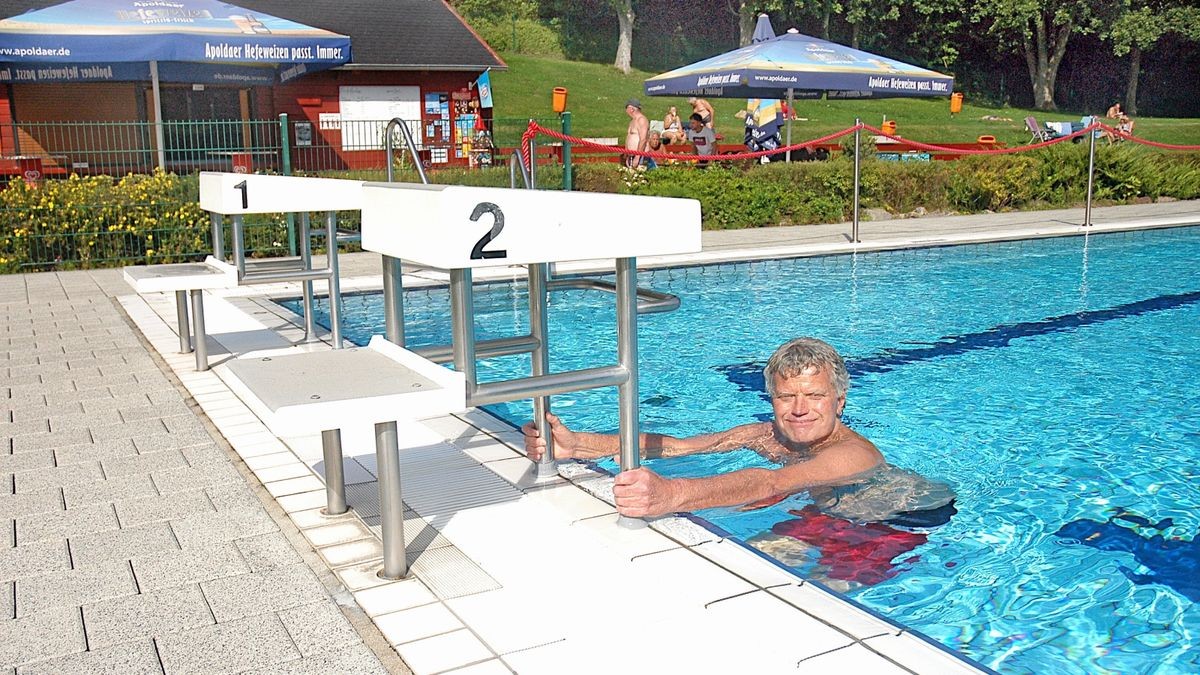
(366, 111)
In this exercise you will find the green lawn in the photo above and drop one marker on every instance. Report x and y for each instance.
(598, 94)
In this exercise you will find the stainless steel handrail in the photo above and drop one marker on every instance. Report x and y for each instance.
(393, 286)
(412, 148)
(515, 162)
(305, 273)
(650, 301)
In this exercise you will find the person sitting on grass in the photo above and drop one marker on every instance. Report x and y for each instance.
(653, 144)
(673, 127)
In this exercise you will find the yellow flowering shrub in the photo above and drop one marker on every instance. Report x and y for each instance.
(96, 221)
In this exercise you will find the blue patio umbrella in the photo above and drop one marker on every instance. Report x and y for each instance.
(794, 65)
(803, 66)
(197, 41)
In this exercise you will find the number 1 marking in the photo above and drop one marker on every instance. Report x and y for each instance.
(245, 197)
(477, 253)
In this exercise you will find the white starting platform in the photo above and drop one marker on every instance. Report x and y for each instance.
(315, 391)
(185, 278)
(327, 391)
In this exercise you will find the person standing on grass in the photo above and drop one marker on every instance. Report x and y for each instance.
(704, 109)
(638, 133)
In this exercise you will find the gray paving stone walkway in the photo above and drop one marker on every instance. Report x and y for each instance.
(129, 542)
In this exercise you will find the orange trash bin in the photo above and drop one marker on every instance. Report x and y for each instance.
(558, 99)
(956, 101)
(889, 127)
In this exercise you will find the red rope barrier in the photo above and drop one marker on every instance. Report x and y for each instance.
(1130, 137)
(534, 129)
(994, 151)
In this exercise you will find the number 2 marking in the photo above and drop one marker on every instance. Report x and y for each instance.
(477, 253)
(245, 197)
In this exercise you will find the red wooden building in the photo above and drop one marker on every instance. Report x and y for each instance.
(412, 59)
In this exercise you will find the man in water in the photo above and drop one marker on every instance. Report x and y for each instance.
(843, 472)
(638, 133)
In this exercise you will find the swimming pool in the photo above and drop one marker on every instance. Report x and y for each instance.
(1050, 382)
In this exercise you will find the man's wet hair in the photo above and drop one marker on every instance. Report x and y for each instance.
(698, 117)
(804, 353)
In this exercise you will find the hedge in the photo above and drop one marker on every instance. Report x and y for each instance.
(98, 221)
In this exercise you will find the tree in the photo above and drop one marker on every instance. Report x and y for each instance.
(862, 14)
(1139, 28)
(747, 12)
(625, 17)
(1041, 29)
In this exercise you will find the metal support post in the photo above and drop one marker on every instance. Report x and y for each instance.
(218, 236)
(1087, 209)
(393, 300)
(181, 317)
(857, 167)
(568, 178)
(239, 248)
(788, 122)
(285, 153)
(462, 318)
(627, 357)
(201, 343)
(540, 360)
(306, 286)
(335, 479)
(335, 285)
(391, 506)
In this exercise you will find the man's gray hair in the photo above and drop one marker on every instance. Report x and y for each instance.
(804, 353)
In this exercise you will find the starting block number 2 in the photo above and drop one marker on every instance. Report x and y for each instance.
(477, 252)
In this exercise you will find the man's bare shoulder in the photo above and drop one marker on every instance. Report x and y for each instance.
(854, 449)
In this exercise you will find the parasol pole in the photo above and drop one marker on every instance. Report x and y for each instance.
(788, 121)
(158, 120)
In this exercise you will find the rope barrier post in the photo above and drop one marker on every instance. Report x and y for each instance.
(566, 151)
(789, 126)
(857, 160)
(285, 152)
(532, 160)
(1087, 209)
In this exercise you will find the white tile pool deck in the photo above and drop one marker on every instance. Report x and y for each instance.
(129, 541)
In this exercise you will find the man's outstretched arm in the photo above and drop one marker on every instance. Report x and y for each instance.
(643, 493)
(584, 445)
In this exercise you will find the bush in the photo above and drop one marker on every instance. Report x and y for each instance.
(95, 222)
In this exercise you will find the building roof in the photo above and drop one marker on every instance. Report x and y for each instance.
(384, 34)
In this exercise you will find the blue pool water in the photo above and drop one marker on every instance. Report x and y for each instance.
(1052, 383)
